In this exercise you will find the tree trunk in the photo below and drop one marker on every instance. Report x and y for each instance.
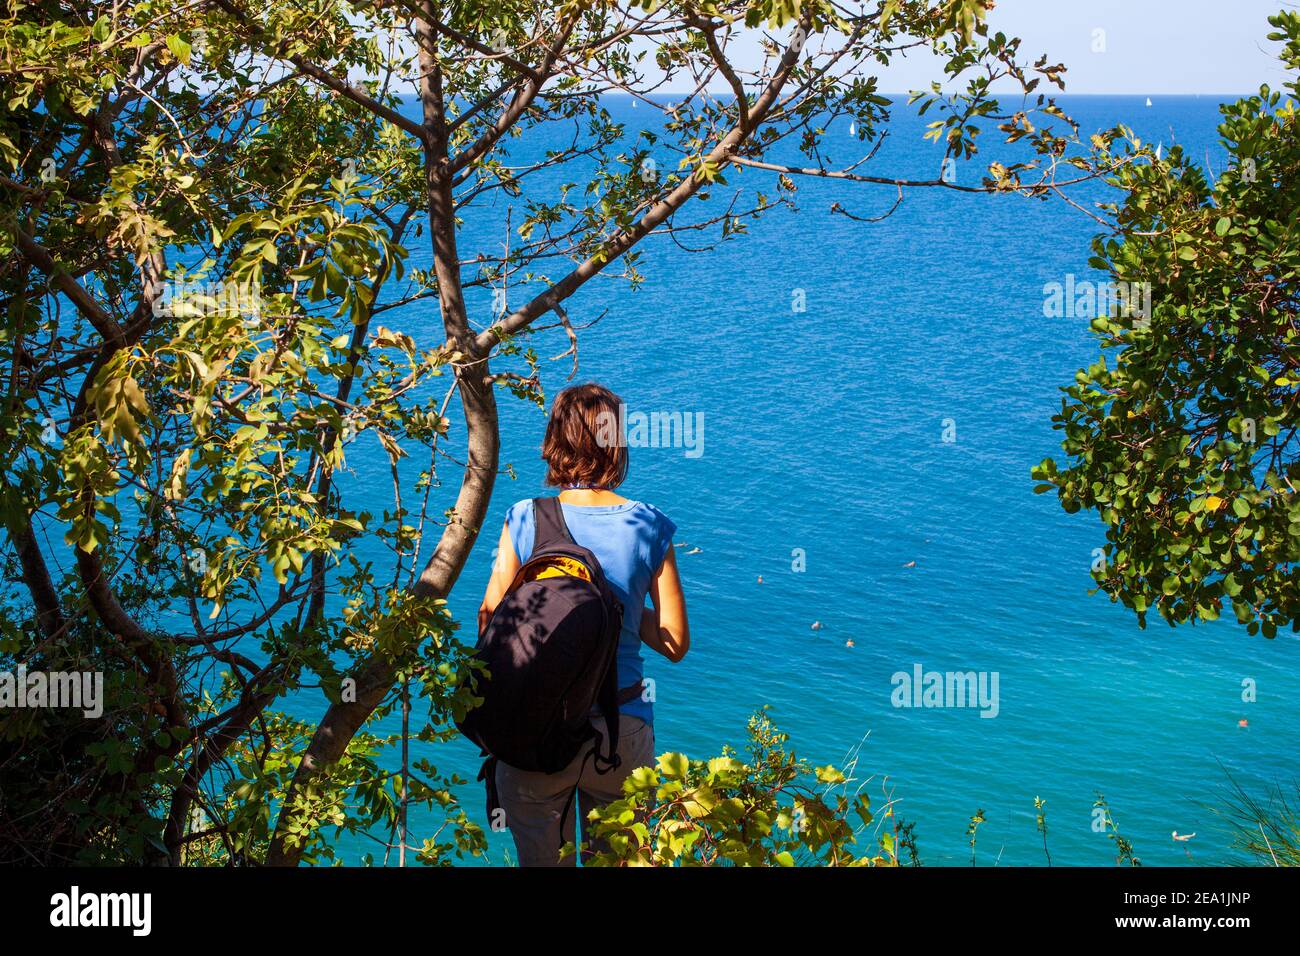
(377, 675)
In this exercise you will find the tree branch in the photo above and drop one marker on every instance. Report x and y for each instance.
(724, 152)
(325, 78)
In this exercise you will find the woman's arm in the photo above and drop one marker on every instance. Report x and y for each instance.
(504, 569)
(664, 626)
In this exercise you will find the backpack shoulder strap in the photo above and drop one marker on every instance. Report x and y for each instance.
(548, 520)
(607, 701)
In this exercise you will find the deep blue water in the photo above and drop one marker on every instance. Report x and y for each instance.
(824, 432)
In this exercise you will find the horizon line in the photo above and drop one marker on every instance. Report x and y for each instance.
(1058, 94)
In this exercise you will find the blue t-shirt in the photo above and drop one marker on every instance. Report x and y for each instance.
(630, 541)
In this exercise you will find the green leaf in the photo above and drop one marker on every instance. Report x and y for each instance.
(673, 765)
(180, 48)
(829, 774)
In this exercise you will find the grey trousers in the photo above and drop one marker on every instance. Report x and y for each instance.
(533, 801)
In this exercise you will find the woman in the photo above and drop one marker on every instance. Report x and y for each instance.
(587, 460)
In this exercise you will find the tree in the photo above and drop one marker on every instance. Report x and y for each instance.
(209, 210)
(1184, 444)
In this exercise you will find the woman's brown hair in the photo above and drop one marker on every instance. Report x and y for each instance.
(584, 439)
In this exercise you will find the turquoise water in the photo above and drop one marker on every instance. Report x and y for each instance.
(823, 431)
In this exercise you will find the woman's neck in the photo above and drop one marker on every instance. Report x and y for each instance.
(590, 497)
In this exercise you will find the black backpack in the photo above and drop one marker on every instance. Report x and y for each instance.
(549, 652)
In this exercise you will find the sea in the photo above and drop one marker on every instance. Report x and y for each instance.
(871, 397)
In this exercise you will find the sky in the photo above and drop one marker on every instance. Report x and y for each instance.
(1149, 47)
(1142, 47)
